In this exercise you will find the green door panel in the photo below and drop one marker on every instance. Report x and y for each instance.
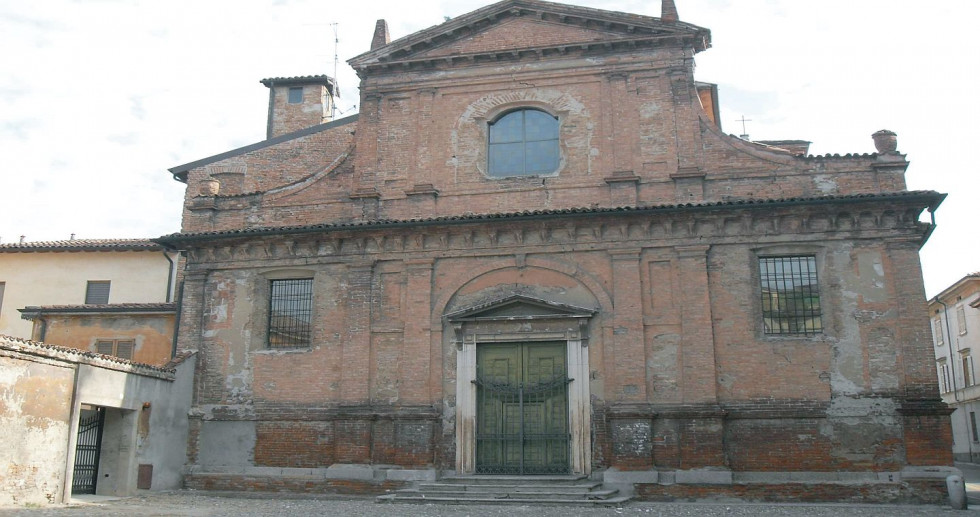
(522, 409)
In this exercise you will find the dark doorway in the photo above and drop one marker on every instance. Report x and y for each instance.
(87, 450)
(522, 409)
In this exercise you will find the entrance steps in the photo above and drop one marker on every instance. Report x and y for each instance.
(524, 490)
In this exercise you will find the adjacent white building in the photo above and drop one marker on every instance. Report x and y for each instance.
(955, 316)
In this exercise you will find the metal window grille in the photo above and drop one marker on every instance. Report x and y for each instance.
(97, 292)
(790, 295)
(296, 95)
(290, 310)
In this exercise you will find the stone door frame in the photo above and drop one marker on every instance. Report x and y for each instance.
(568, 325)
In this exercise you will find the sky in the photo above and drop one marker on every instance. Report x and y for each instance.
(98, 98)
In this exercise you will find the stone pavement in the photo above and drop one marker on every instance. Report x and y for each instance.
(198, 504)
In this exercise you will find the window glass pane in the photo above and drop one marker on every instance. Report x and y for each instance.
(290, 310)
(508, 128)
(296, 95)
(541, 157)
(506, 159)
(539, 125)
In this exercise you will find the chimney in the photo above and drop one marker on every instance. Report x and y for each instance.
(72, 237)
(668, 11)
(297, 103)
(22, 237)
(381, 36)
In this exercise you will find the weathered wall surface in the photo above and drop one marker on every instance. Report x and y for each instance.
(35, 409)
(43, 389)
(152, 335)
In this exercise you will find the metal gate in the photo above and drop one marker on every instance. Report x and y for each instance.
(522, 409)
(87, 451)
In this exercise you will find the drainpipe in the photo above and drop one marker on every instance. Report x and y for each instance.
(44, 329)
(180, 303)
(170, 275)
(952, 369)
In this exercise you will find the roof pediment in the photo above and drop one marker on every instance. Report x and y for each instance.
(518, 28)
(518, 307)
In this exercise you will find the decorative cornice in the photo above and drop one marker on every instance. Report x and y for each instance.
(619, 229)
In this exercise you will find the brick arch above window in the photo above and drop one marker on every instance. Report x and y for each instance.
(470, 134)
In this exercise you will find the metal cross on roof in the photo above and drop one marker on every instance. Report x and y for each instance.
(745, 134)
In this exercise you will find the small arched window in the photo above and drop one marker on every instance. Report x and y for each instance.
(523, 143)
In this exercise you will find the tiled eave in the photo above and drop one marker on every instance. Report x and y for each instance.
(117, 309)
(925, 199)
(82, 245)
(12, 346)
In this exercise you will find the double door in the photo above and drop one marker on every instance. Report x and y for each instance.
(522, 409)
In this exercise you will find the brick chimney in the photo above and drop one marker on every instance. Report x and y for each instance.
(668, 11)
(381, 36)
(297, 103)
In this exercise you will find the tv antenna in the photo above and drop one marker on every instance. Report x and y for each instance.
(336, 59)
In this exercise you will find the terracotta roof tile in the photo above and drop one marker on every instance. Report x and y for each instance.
(81, 245)
(74, 355)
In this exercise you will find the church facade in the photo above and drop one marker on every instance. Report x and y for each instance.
(535, 252)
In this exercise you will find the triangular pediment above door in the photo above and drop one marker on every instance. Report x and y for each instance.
(518, 307)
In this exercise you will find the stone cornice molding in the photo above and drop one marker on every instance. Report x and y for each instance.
(624, 231)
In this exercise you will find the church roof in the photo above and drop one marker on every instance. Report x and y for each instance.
(180, 172)
(609, 30)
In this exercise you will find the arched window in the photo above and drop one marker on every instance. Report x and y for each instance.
(523, 143)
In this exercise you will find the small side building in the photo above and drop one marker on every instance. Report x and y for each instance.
(955, 314)
(77, 422)
(141, 332)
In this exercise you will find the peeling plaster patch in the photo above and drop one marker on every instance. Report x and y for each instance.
(847, 377)
(871, 273)
(825, 183)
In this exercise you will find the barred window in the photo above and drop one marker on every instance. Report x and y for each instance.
(790, 295)
(290, 310)
(523, 143)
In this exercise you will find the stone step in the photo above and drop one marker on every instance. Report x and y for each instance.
(422, 499)
(493, 480)
(506, 487)
(511, 493)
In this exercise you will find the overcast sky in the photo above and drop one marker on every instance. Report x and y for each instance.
(99, 98)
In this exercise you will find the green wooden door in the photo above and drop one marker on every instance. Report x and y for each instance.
(522, 409)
